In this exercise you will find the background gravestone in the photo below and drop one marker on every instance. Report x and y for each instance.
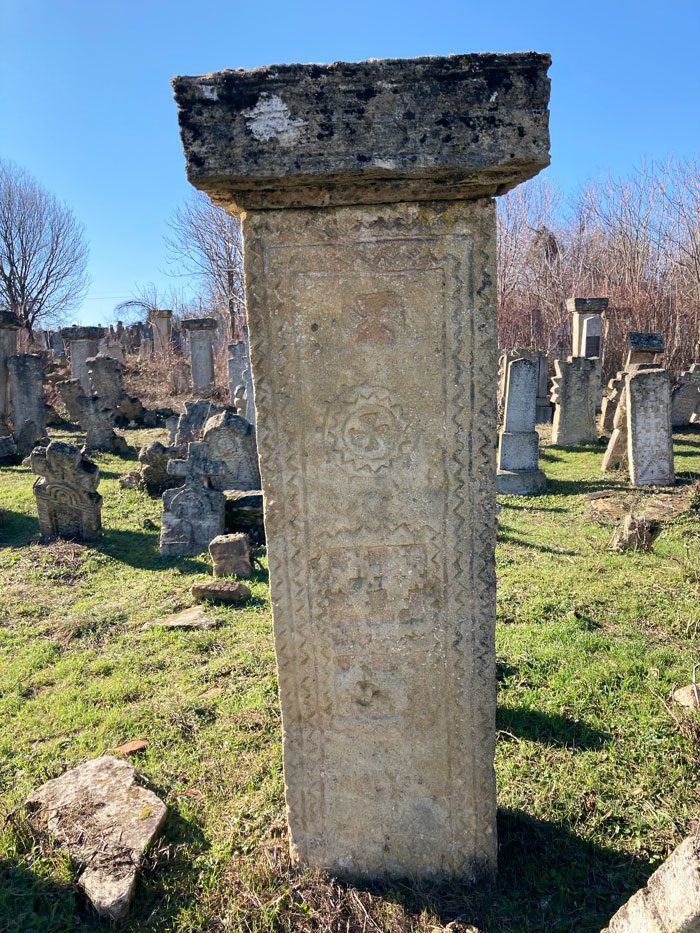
(368, 250)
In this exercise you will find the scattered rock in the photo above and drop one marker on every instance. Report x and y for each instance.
(131, 748)
(636, 534)
(8, 449)
(105, 820)
(211, 693)
(131, 480)
(231, 555)
(688, 696)
(221, 591)
(670, 903)
(188, 618)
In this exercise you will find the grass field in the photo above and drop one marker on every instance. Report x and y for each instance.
(597, 768)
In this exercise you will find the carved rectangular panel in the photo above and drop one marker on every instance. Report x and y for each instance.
(374, 359)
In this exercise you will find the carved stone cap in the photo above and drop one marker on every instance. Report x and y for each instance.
(82, 333)
(587, 305)
(652, 343)
(9, 320)
(161, 312)
(200, 323)
(459, 127)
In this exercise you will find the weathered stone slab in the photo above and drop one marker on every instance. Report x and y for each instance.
(649, 437)
(105, 819)
(643, 347)
(9, 325)
(587, 325)
(188, 618)
(83, 343)
(68, 503)
(518, 449)
(464, 126)
(372, 337)
(201, 335)
(670, 903)
(26, 372)
(685, 397)
(221, 591)
(193, 514)
(190, 424)
(231, 439)
(575, 390)
(230, 555)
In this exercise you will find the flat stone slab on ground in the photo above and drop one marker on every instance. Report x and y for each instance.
(188, 618)
(688, 696)
(105, 820)
(221, 591)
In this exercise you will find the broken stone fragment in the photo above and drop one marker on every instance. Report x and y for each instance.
(688, 696)
(230, 555)
(670, 903)
(105, 819)
(188, 618)
(221, 591)
(636, 534)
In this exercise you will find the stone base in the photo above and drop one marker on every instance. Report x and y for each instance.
(520, 482)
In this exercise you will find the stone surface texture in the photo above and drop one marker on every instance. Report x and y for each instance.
(221, 591)
(464, 126)
(66, 494)
(231, 555)
(97, 420)
(576, 386)
(670, 903)
(191, 422)
(518, 449)
(193, 514)
(383, 614)
(379, 477)
(105, 819)
(649, 436)
(231, 439)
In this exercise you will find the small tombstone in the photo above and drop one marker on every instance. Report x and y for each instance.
(518, 449)
(9, 325)
(83, 343)
(194, 514)
(190, 424)
(105, 379)
(230, 555)
(69, 390)
(231, 439)
(154, 459)
(587, 325)
(685, 397)
(237, 362)
(649, 437)
(66, 494)
(575, 392)
(97, 420)
(611, 400)
(201, 335)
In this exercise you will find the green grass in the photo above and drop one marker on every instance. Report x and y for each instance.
(597, 769)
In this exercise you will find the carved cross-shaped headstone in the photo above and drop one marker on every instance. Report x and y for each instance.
(198, 467)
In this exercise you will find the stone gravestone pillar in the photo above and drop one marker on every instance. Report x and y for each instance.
(518, 450)
(9, 325)
(574, 392)
(685, 397)
(237, 362)
(162, 322)
(201, 334)
(649, 438)
(83, 342)
(28, 401)
(587, 326)
(193, 515)
(370, 276)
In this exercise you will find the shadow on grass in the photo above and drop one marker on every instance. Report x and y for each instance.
(548, 879)
(578, 487)
(30, 902)
(548, 728)
(140, 549)
(534, 507)
(506, 536)
(18, 530)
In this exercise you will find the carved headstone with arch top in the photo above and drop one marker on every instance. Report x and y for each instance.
(68, 503)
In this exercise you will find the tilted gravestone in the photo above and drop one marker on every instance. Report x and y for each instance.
(370, 276)
(97, 420)
(649, 437)
(193, 514)
(68, 503)
(518, 448)
(83, 343)
(575, 389)
(231, 439)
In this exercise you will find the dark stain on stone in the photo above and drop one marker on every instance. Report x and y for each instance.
(409, 115)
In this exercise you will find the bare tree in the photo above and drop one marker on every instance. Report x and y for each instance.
(206, 242)
(43, 251)
(148, 298)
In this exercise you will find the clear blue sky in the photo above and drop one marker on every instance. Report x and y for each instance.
(86, 105)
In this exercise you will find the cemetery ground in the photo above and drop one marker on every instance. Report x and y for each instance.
(596, 765)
